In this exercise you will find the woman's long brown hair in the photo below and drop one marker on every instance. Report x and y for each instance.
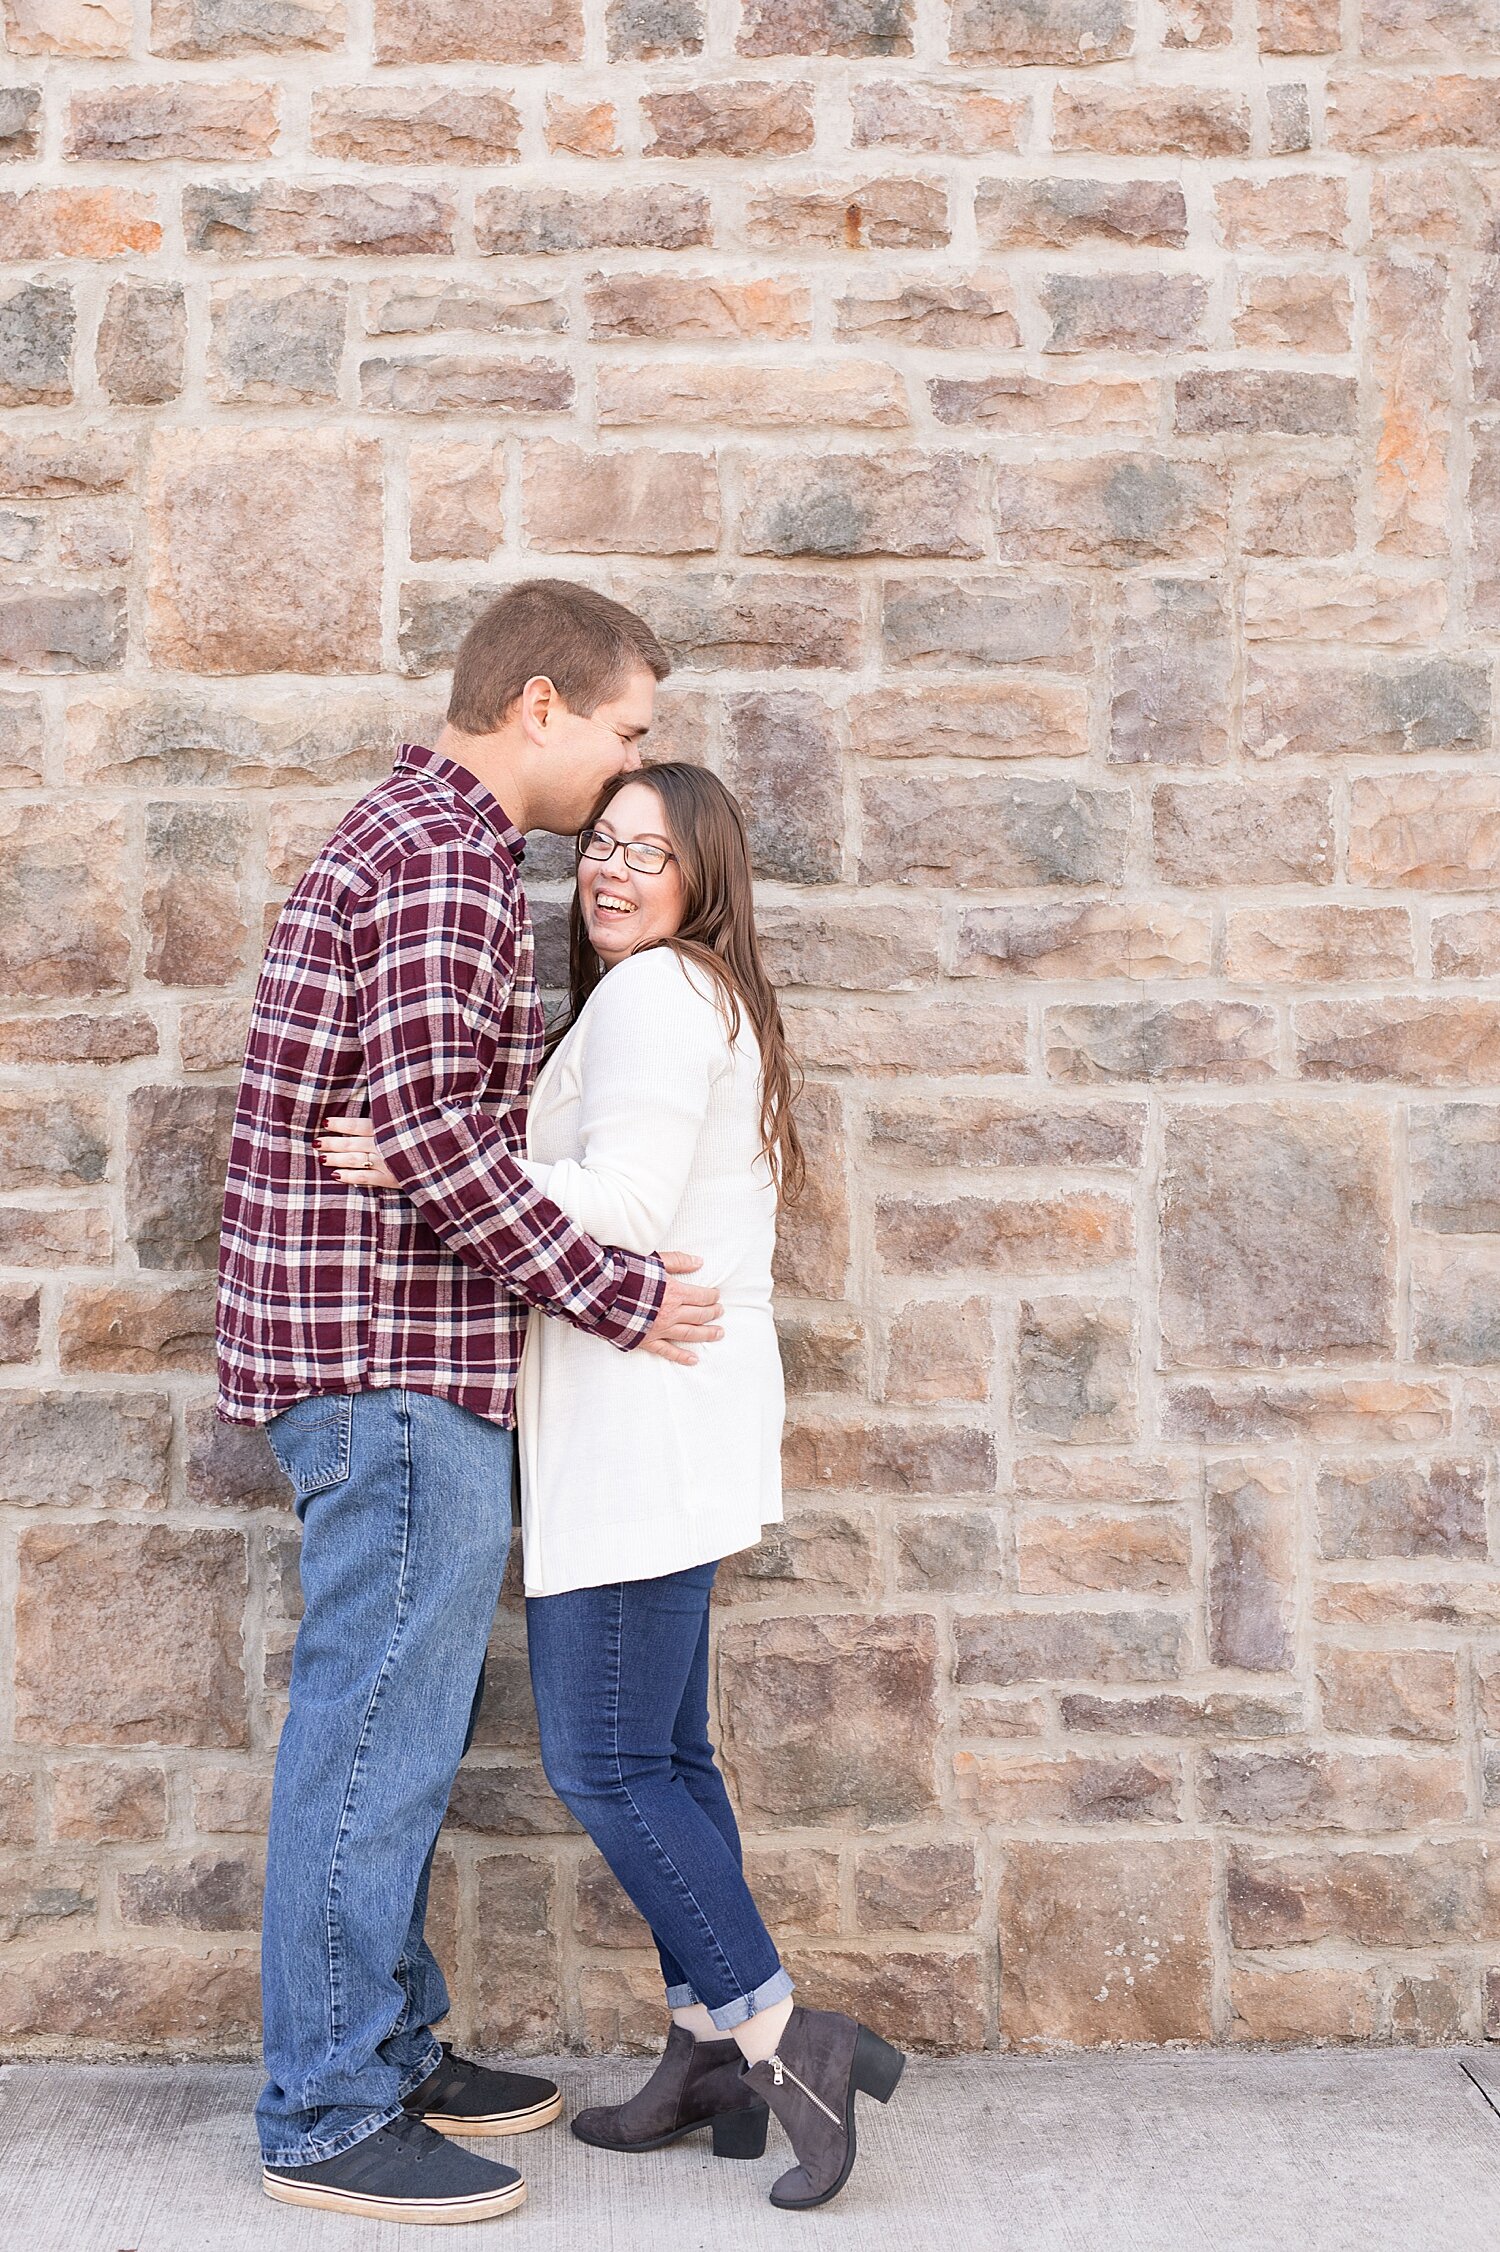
(717, 931)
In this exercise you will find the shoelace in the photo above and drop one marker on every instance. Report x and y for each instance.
(780, 2071)
(417, 2139)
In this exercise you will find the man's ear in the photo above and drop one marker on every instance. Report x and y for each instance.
(539, 702)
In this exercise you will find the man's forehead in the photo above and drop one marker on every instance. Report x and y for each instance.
(634, 699)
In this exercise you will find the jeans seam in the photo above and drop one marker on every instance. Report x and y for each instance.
(623, 1787)
(356, 1765)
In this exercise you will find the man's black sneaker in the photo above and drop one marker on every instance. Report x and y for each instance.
(403, 2172)
(460, 2098)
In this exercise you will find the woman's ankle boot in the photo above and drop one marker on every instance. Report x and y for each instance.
(696, 2084)
(822, 2059)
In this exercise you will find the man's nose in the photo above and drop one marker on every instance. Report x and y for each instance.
(633, 760)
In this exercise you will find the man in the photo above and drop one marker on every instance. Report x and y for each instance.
(378, 1339)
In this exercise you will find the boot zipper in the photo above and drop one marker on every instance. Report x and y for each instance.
(778, 2069)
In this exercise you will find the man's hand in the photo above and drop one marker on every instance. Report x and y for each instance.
(688, 1315)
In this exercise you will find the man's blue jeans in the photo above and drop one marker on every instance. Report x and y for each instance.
(620, 1678)
(405, 1507)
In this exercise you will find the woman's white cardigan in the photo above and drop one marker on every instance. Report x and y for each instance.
(645, 1127)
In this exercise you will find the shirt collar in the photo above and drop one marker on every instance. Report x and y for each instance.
(466, 784)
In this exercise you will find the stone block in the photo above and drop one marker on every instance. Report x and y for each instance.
(517, 2002)
(1466, 945)
(1034, 405)
(229, 1465)
(646, 30)
(1456, 1305)
(76, 1039)
(880, 1040)
(1015, 33)
(828, 1554)
(62, 630)
(528, 222)
(334, 219)
(1213, 1714)
(907, 504)
(432, 124)
(1454, 1155)
(1123, 312)
(1075, 1369)
(1412, 1694)
(885, 213)
(20, 1323)
(627, 502)
(49, 465)
(1417, 1043)
(1382, 706)
(916, 1887)
(1054, 214)
(23, 736)
(988, 1131)
(134, 1999)
(36, 345)
(62, 1236)
(1289, 211)
(455, 499)
(452, 383)
(1228, 1043)
(1302, 2007)
(822, 1352)
(1186, 121)
(582, 128)
(948, 1552)
(1110, 508)
(142, 343)
(1377, 1509)
(1252, 402)
(1293, 314)
(937, 118)
(1010, 1791)
(1340, 1410)
(1002, 1235)
(1005, 1649)
(1285, 1789)
(752, 620)
(812, 1253)
(730, 118)
(941, 1349)
(108, 1802)
(1020, 718)
(482, 31)
(858, 394)
(276, 343)
(177, 1149)
(1298, 512)
(1427, 1895)
(130, 1635)
(1433, 832)
(1104, 1943)
(1353, 607)
(266, 552)
(1383, 113)
(1289, 117)
(983, 622)
(935, 1997)
(978, 312)
(154, 739)
(692, 308)
(989, 830)
(57, 1141)
(1171, 663)
(182, 121)
(1111, 1553)
(208, 1892)
(207, 28)
(193, 909)
(785, 765)
(509, 1801)
(233, 1800)
(413, 306)
(1277, 1235)
(135, 1330)
(888, 1458)
(63, 930)
(1317, 945)
(1206, 833)
(829, 1717)
(796, 1887)
(20, 109)
(45, 223)
(84, 1450)
(826, 27)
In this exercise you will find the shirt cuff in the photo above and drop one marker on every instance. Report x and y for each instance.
(624, 1314)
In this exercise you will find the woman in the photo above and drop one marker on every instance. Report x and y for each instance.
(662, 1121)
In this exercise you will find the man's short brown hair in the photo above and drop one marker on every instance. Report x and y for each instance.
(582, 642)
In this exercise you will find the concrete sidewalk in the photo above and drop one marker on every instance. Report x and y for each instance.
(1372, 2151)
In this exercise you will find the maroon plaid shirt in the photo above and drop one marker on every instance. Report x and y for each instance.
(399, 981)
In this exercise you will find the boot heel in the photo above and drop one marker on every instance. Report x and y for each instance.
(741, 2134)
(877, 2066)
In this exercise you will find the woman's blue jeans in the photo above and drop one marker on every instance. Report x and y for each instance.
(620, 1678)
(405, 1508)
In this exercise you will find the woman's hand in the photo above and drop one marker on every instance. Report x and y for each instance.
(347, 1147)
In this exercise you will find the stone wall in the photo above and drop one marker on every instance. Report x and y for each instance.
(1058, 440)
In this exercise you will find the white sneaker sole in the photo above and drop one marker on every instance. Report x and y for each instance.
(498, 2123)
(440, 2213)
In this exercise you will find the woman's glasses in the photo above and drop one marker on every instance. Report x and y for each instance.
(642, 859)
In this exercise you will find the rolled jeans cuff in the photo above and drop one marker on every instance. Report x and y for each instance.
(680, 1997)
(730, 2014)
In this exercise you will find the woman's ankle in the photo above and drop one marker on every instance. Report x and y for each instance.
(693, 2017)
(758, 2036)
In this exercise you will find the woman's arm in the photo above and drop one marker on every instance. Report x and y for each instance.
(652, 1050)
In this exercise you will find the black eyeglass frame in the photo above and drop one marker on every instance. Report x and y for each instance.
(625, 847)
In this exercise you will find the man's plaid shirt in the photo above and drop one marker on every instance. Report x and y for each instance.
(399, 981)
